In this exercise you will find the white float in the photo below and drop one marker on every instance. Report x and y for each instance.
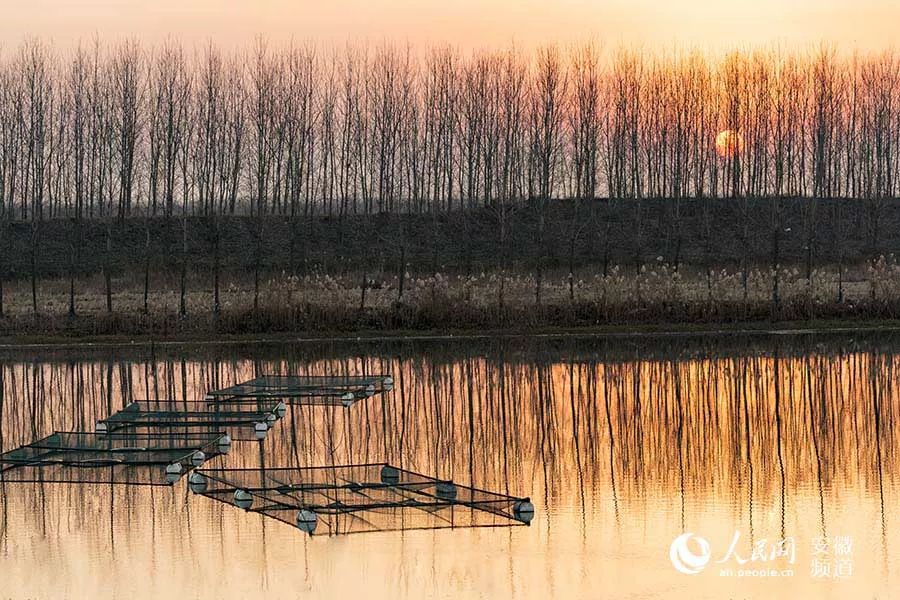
(198, 458)
(523, 510)
(390, 475)
(281, 410)
(446, 490)
(225, 444)
(173, 472)
(197, 483)
(260, 430)
(307, 520)
(242, 499)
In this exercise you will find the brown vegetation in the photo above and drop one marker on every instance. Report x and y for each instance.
(317, 303)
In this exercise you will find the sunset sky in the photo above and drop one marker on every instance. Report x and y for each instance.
(468, 24)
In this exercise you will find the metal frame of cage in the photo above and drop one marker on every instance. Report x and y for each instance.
(307, 389)
(157, 416)
(385, 498)
(118, 458)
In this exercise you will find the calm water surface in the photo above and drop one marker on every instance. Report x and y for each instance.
(778, 452)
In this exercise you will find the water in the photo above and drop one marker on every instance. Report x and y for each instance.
(623, 446)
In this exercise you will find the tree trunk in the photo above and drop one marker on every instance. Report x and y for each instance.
(147, 269)
(73, 261)
(572, 269)
(402, 273)
(182, 309)
(776, 259)
(256, 261)
(35, 233)
(217, 307)
(365, 284)
(106, 274)
(292, 259)
(2, 268)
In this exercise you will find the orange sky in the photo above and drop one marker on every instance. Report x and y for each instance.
(865, 24)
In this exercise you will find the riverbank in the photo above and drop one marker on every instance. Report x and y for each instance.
(610, 332)
(655, 301)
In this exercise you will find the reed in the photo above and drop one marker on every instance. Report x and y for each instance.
(656, 294)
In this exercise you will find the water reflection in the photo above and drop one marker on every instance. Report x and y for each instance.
(622, 448)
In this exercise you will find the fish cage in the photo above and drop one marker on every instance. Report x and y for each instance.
(359, 498)
(243, 421)
(307, 389)
(119, 458)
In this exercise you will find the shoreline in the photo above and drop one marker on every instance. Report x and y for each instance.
(611, 332)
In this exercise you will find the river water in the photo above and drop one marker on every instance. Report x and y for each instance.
(770, 459)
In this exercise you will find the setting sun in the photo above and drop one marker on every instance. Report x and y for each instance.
(729, 143)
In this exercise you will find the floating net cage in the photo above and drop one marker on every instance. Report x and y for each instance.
(307, 390)
(243, 421)
(359, 498)
(119, 458)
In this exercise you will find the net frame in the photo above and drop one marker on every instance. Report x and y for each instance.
(117, 458)
(322, 390)
(411, 502)
(160, 416)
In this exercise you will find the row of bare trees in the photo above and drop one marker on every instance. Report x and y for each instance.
(119, 131)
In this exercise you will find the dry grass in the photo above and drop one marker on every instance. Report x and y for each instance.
(656, 294)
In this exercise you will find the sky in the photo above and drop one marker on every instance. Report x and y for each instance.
(466, 24)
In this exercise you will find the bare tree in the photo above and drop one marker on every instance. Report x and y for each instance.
(548, 97)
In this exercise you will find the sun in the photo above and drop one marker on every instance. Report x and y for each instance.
(729, 143)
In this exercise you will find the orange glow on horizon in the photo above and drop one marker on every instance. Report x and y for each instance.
(466, 24)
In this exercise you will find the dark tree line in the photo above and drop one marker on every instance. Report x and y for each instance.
(101, 132)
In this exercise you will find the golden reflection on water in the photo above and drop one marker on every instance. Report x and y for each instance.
(619, 455)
